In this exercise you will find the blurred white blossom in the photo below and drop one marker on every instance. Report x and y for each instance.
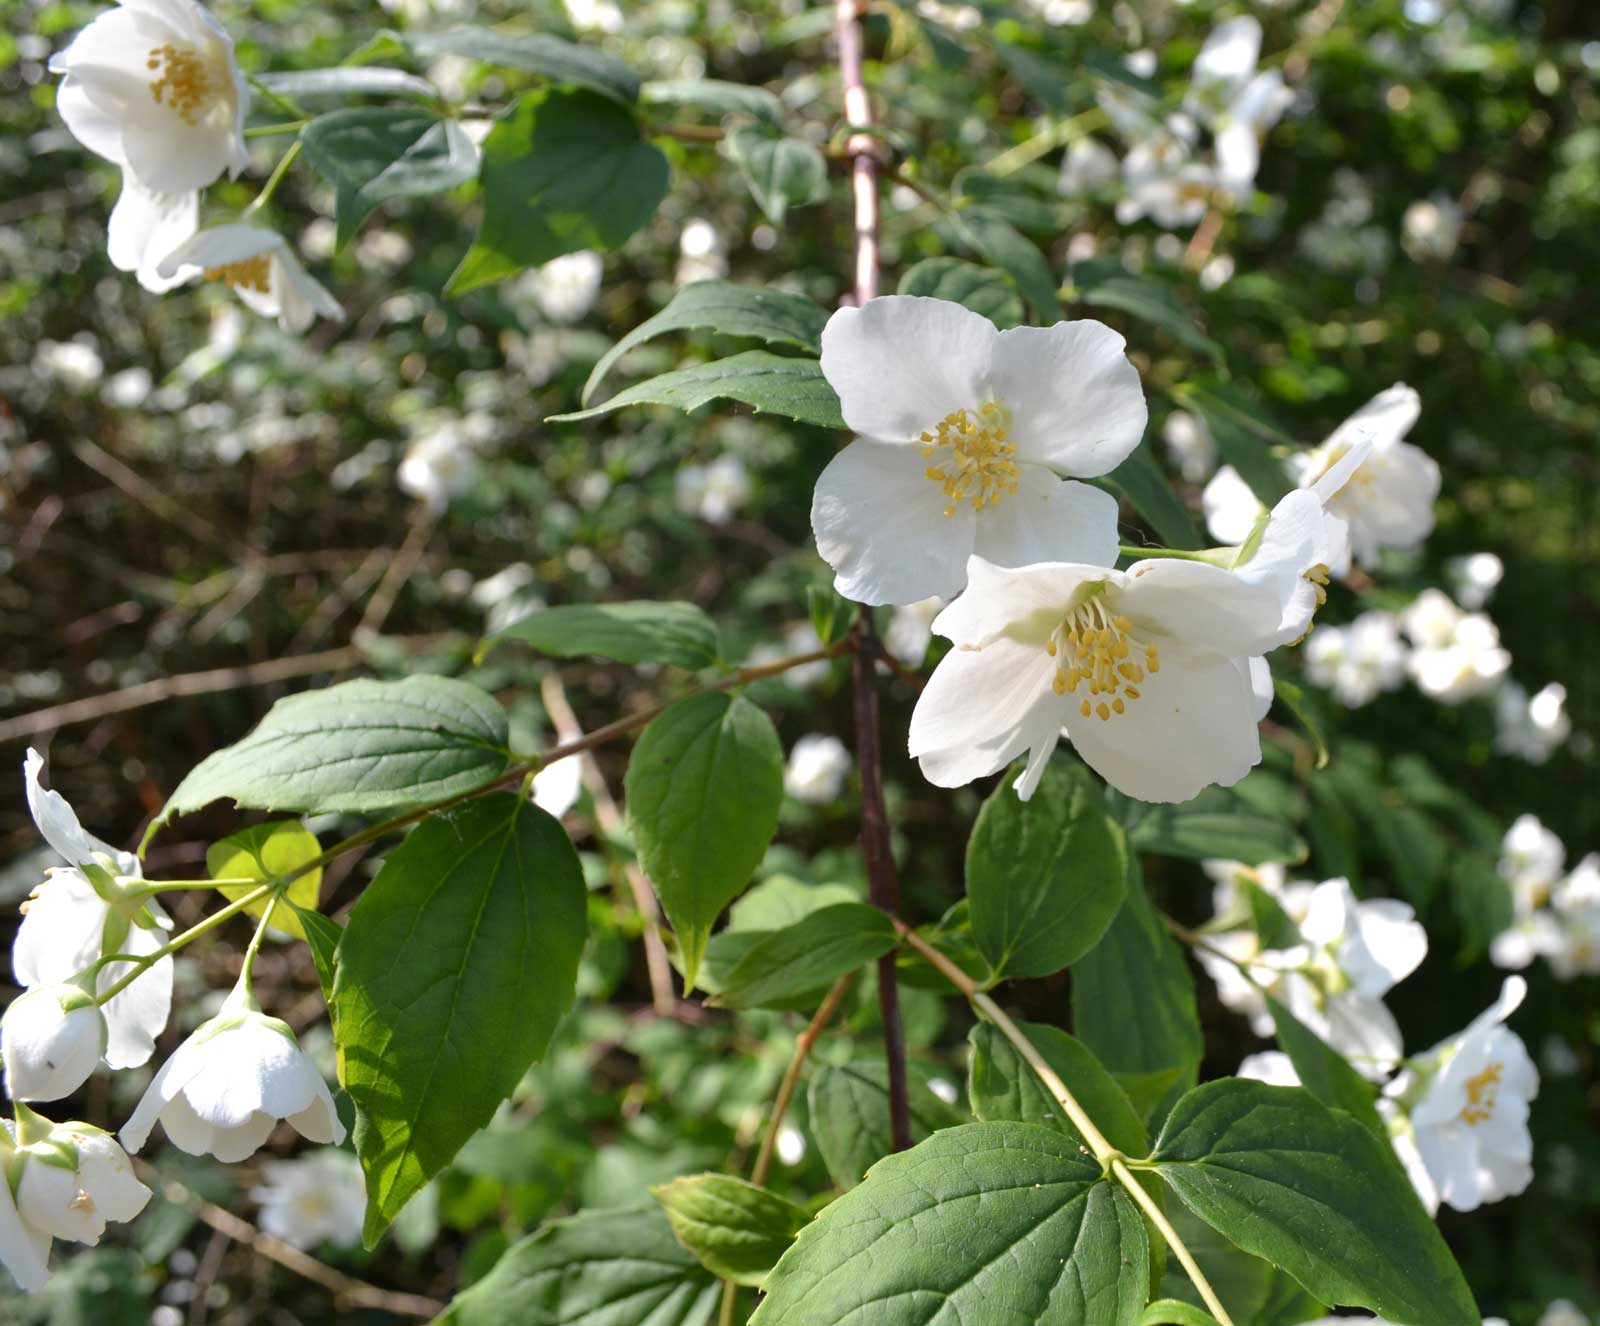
(818, 765)
(1456, 655)
(565, 288)
(1473, 578)
(1189, 443)
(1431, 227)
(702, 256)
(440, 465)
(714, 492)
(1360, 661)
(1087, 167)
(319, 1197)
(1273, 1067)
(260, 267)
(910, 630)
(1531, 728)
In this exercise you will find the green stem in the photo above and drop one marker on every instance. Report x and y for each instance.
(275, 179)
(249, 963)
(145, 961)
(274, 130)
(286, 104)
(150, 887)
(1041, 144)
(1145, 554)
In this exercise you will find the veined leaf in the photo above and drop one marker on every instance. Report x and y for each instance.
(849, 1109)
(640, 632)
(809, 955)
(535, 53)
(782, 172)
(775, 384)
(982, 289)
(262, 852)
(736, 1230)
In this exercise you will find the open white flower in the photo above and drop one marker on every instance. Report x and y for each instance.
(817, 768)
(1233, 100)
(1147, 670)
(964, 435)
(81, 913)
(262, 270)
(1360, 661)
(1531, 861)
(51, 1039)
(1161, 180)
(316, 1198)
(1531, 728)
(226, 1087)
(1459, 1113)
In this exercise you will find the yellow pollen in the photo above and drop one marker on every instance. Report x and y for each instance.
(1481, 1095)
(181, 81)
(979, 466)
(1084, 709)
(1100, 649)
(247, 274)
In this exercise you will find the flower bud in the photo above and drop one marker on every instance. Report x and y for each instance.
(75, 1181)
(51, 1038)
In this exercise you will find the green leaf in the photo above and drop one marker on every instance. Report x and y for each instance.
(261, 852)
(1326, 1073)
(1002, 1087)
(1045, 876)
(1271, 923)
(1175, 1312)
(777, 384)
(1105, 283)
(621, 1267)
(368, 80)
(810, 955)
(714, 95)
(773, 316)
(736, 1230)
(831, 614)
(1219, 822)
(1158, 1032)
(1003, 245)
(1239, 440)
(563, 169)
(322, 937)
(358, 747)
(981, 289)
(1481, 900)
(376, 154)
(1007, 1224)
(459, 960)
(1311, 1190)
(849, 1110)
(1255, 1292)
(1140, 480)
(782, 172)
(704, 788)
(549, 57)
(637, 632)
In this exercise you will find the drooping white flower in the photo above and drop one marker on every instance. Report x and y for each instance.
(51, 1039)
(565, 288)
(1360, 661)
(81, 913)
(1459, 1113)
(316, 1198)
(1431, 227)
(817, 768)
(715, 492)
(1474, 578)
(225, 1088)
(1088, 166)
(1531, 728)
(964, 436)
(557, 786)
(910, 630)
(1189, 443)
(1233, 100)
(262, 270)
(1147, 671)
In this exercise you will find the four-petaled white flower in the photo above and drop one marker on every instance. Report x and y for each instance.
(226, 1087)
(51, 1039)
(316, 1198)
(816, 769)
(1459, 1113)
(153, 87)
(1234, 101)
(1148, 670)
(80, 913)
(262, 270)
(964, 436)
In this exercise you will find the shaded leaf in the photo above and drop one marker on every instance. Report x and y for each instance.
(637, 632)
(535, 53)
(782, 172)
(736, 1230)
(775, 384)
(264, 851)
(809, 955)
(981, 289)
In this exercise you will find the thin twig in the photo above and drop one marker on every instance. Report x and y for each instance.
(400, 569)
(147, 495)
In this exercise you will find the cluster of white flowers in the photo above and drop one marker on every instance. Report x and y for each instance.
(153, 87)
(1458, 1113)
(1455, 655)
(221, 1093)
(1555, 913)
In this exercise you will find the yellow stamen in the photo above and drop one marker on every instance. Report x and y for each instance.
(183, 84)
(980, 467)
(246, 274)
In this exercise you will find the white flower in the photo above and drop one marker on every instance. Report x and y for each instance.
(261, 268)
(964, 434)
(564, 288)
(226, 1087)
(1088, 166)
(1577, 952)
(702, 256)
(910, 630)
(1474, 578)
(316, 1198)
(81, 913)
(714, 492)
(1471, 664)
(73, 1179)
(1430, 619)
(75, 364)
(557, 786)
(1359, 661)
(1161, 181)
(1431, 227)
(594, 15)
(438, 466)
(1466, 1139)
(1273, 1067)
(1190, 444)
(817, 768)
(51, 1038)
(1531, 729)
(1235, 102)
(1231, 507)
(1531, 861)
(1539, 934)
(1562, 1312)
(1148, 671)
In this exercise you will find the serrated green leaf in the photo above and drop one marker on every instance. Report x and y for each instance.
(782, 172)
(457, 963)
(714, 95)
(735, 1229)
(1007, 1224)
(1140, 480)
(620, 1267)
(1006, 247)
(639, 632)
(264, 851)
(981, 289)
(322, 936)
(1311, 1190)
(1105, 283)
(775, 384)
(1045, 876)
(774, 316)
(848, 1106)
(376, 154)
(1217, 823)
(359, 747)
(535, 53)
(812, 954)
(1255, 1292)
(1326, 1073)
(704, 788)
(348, 80)
(564, 169)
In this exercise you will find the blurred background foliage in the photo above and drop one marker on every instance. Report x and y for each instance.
(183, 487)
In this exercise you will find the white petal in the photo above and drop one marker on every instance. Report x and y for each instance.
(1294, 541)
(97, 126)
(24, 1251)
(47, 1199)
(556, 787)
(56, 820)
(231, 1145)
(319, 1121)
(900, 363)
(137, 1015)
(219, 246)
(248, 1068)
(165, 1087)
(1023, 603)
(1074, 396)
(1231, 507)
(1386, 418)
(145, 227)
(1193, 725)
(106, 1174)
(186, 1130)
(1049, 519)
(1200, 606)
(1258, 673)
(1225, 62)
(880, 524)
(49, 1053)
(1238, 156)
(60, 935)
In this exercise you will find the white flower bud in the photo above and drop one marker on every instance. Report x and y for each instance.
(77, 1180)
(51, 1039)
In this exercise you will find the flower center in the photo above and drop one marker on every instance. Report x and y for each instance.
(1481, 1093)
(1318, 578)
(246, 274)
(978, 462)
(181, 81)
(1096, 648)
